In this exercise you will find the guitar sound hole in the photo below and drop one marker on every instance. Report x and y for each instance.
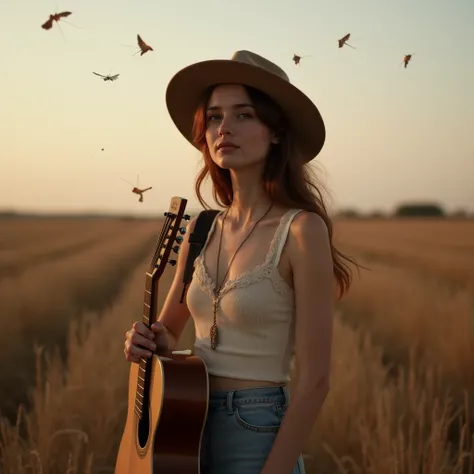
(143, 429)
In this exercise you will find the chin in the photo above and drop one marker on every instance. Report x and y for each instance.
(238, 164)
(237, 161)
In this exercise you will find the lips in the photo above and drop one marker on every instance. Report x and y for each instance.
(225, 145)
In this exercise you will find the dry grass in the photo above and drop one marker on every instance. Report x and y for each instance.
(78, 404)
(423, 302)
(38, 305)
(378, 418)
(373, 423)
(434, 249)
(51, 244)
(27, 232)
(406, 312)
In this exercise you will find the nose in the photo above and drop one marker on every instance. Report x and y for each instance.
(224, 127)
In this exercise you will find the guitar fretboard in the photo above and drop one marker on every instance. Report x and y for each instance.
(143, 376)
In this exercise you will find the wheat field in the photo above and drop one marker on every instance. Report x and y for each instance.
(402, 379)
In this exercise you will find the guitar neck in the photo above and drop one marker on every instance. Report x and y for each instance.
(149, 302)
(148, 318)
(165, 245)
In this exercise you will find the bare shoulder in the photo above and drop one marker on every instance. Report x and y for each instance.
(309, 245)
(308, 230)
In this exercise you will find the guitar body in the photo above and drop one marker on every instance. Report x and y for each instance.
(167, 395)
(168, 438)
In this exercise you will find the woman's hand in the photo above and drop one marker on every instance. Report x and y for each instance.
(144, 342)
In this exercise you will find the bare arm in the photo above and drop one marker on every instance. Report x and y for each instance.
(312, 266)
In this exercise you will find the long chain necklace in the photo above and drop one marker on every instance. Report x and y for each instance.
(218, 288)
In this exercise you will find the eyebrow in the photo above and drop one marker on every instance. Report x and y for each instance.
(235, 106)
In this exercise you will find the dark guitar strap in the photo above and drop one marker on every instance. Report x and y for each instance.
(196, 242)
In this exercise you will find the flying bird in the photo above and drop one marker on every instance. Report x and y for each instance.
(143, 46)
(136, 189)
(406, 59)
(344, 40)
(56, 17)
(108, 77)
(297, 58)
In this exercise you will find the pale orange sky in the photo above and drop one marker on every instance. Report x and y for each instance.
(393, 134)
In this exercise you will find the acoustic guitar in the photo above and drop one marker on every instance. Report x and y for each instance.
(167, 394)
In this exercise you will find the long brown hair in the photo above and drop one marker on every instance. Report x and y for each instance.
(287, 179)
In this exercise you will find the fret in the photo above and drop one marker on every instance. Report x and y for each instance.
(141, 378)
(148, 283)
(138, 393)
(147, 297)
(139, 401)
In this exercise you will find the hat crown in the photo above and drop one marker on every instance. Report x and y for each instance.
(186, 90)
(254, 59)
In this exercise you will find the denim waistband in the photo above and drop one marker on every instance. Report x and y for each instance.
(229, 398)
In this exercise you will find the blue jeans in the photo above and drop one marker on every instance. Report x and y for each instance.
(240, 430)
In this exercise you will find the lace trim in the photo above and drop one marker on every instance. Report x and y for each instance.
(255, 275)
(266, 269)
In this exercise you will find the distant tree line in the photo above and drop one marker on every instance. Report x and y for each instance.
(403, 210)
(406, 210)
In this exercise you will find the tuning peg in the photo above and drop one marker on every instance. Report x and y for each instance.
(176, 249)
(186, 217)
(172, 262)
(169, 214)
(182, 230)
(179, 239)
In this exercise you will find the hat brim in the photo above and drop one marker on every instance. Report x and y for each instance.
(186, 88)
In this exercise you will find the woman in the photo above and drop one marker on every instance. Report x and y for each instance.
(256, 132)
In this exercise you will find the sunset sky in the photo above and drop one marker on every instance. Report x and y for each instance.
(393, 134)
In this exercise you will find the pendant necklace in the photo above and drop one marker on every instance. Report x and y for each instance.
(217, 290)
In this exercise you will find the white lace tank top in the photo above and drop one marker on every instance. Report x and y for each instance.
(255, 316)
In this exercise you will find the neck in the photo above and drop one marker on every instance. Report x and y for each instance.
(250, 202)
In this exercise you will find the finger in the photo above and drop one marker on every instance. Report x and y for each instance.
(143, 330)
(139, 340)
(157, 328)
(129, 357)
(138, 352)
(133, 359)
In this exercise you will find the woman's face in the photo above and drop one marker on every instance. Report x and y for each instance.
(231, 120)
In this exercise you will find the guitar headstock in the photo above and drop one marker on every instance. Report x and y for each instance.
(169, 240)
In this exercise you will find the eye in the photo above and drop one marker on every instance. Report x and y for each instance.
(213, 117)
(245, 115)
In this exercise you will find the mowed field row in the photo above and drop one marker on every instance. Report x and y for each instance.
(378, 418)
(23, 233)
(48, 246)
(414, 300)
(39, 304)
(442, 250)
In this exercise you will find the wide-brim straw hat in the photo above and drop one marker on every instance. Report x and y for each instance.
(186, 88)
